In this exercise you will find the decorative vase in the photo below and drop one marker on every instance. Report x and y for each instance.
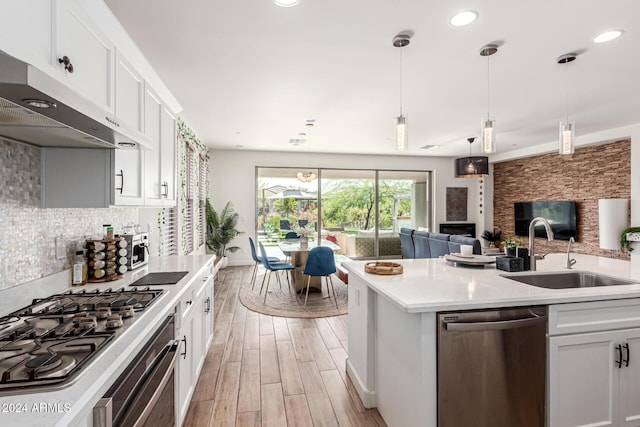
(304, 242)
(224, 261)
(510, 251)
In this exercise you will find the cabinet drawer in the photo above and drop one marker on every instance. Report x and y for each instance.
(594, 316)
(185, 307)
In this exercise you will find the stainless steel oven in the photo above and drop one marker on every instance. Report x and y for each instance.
(144, 394)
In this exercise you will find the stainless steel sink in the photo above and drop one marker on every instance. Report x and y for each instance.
(568, 279)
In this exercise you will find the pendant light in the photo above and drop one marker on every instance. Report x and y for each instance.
(567, 129)
(401, 136)
(488, 124)
(472, 166)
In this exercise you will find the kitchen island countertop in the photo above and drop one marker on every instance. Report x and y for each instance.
(434, 284)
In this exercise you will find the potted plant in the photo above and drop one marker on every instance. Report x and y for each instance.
(492, 237)
(509, 246)
(221, 230)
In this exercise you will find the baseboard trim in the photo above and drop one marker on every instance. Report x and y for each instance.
(368, 397)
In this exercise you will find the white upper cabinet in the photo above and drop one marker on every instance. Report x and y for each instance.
(83, 54)
(129, 179)
(160, 159)
(129, 94)
(25, 31)
(152, 158)
(168, 156)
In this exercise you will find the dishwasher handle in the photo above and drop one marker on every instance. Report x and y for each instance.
(495, 326)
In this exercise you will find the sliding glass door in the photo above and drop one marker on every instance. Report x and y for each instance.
(361, 211)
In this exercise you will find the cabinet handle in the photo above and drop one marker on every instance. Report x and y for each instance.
(166, 189)
(626, 361)
(67, 63)
(208, 305)
(184, 340)
(189, 302)
(121, 175)
(619, 357)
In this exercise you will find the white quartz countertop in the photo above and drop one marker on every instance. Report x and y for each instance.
(73, 405)
(428, 285)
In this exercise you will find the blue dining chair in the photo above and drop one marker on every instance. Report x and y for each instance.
(282, 266)
(288, 236)
(258, 261)
(320, 262)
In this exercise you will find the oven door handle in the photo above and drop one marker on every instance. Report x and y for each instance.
(149, 390)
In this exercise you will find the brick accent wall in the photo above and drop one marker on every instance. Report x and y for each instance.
(591, 173)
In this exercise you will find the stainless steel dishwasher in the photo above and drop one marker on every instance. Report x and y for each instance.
(491, 368)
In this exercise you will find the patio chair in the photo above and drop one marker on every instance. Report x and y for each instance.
(285, 225)
(303, 222)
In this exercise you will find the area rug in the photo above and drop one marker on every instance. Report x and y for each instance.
(283, 304)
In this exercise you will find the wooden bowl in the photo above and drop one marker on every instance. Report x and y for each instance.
(383, 268)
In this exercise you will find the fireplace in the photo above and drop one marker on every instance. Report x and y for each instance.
(460, 228)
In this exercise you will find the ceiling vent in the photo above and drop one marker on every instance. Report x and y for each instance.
(297, 141)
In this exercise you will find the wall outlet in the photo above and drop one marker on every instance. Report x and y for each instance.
(61, 248)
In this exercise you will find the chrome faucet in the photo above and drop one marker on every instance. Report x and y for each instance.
(570, 261)
(532, 228)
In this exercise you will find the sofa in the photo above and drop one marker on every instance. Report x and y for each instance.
(423, 244)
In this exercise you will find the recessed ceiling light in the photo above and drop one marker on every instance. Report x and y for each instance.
(286, 3)
(464, 18)
(608, 36)
(429, 147)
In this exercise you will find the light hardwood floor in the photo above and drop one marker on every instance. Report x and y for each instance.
(273, 371)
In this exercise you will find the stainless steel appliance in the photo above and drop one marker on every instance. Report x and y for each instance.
(137, 249)
(491, 368)
(38, 109)
(45, 345)
(144, 394)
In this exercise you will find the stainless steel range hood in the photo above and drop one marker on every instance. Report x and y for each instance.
(37, 109)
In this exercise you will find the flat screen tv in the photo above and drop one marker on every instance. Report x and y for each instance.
(560, 214)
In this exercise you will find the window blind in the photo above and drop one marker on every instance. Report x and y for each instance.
(190, 196)
(202, 198)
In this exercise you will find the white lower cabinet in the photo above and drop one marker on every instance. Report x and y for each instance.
(195, 330)
(185, 384)
(594, 377)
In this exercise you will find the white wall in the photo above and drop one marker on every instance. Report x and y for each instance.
(233, 179)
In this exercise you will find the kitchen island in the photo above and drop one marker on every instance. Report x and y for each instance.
(72, 405)
(392, 324)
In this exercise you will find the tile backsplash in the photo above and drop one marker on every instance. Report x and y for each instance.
(28, 233)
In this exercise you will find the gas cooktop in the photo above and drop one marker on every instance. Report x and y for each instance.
(46, 344)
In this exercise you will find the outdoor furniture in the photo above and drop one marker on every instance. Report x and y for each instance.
(257, 260)
(285, 225)
(320, 262)
(303, 222)
(282, 266)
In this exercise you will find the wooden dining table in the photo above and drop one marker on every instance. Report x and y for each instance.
(299, 254)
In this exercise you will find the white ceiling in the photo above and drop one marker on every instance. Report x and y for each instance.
(250, 73)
